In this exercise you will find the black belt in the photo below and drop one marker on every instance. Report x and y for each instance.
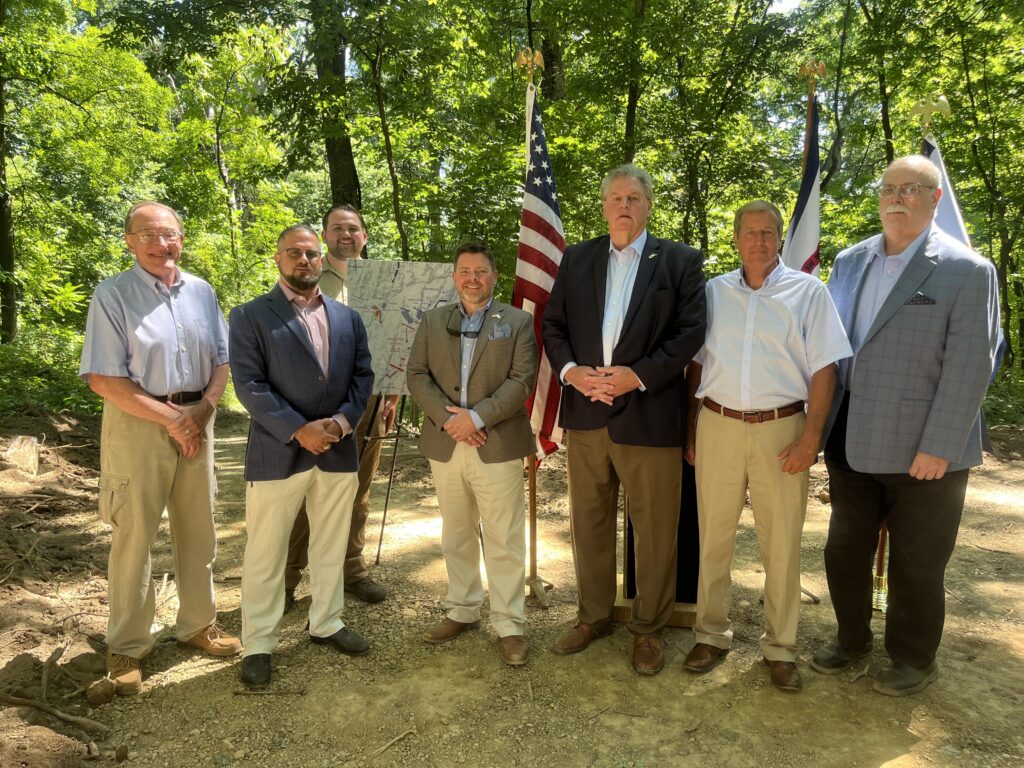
(755, 417)
(180, 398)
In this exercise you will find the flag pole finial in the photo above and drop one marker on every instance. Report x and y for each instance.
(813, 71)
(926, 109)
(531, 60)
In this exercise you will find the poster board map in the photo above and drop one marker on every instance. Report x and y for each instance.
(391, 297)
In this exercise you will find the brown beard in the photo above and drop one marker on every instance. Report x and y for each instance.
(302, 283)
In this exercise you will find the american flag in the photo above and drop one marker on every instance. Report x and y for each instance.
(541, 244)
(801, 250)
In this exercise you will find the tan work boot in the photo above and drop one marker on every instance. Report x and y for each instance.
(125, 673)
(214, 641)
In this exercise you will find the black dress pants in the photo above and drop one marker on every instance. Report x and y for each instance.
(923, 517)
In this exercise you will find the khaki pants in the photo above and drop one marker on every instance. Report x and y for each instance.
(652, 478)
(142, 472)
(469, 493)
(733, 456)
(270, 509)
(369, 459)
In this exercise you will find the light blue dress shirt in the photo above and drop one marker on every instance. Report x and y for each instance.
(470, 323)
(166, 340)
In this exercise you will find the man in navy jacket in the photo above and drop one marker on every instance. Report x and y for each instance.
(301, 366)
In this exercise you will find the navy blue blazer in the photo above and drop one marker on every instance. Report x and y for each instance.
(280, 382)
(663, 329)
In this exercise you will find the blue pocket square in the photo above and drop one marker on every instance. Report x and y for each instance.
(503, 331)
(920, 298)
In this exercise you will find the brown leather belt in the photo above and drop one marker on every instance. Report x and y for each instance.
(180, 398)
(755, 417)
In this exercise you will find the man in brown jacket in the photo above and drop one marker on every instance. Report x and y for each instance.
(471, 368)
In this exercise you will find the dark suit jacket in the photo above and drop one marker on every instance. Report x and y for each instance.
(663, 328)
(502, 376)
(279, 381)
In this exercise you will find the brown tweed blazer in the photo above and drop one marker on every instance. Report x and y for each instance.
(503, 373)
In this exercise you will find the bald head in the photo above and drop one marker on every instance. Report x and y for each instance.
(907, 198)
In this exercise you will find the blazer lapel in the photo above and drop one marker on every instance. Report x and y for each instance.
(644, 271)
(281, 307)
(916, 272)
(454, 343)
(334, 323)
(494, 313)
(600, 257)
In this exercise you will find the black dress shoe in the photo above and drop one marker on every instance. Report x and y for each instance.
(256, 671)
(344, 640)
(903, 680)
(833, 658)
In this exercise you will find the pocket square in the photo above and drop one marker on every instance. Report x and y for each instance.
(503, 331)
(920, 298)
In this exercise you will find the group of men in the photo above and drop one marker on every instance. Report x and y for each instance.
(747, 377)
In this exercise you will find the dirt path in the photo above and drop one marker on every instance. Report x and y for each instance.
(409, 703)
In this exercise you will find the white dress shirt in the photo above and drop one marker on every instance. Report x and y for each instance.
(763, 346)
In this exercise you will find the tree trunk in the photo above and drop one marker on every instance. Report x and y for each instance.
(633, 89)
(396, 203)
(8, 288)
(330, 58)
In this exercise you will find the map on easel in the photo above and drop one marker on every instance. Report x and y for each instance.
(391, 297)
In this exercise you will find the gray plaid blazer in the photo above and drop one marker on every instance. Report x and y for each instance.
(925, 363)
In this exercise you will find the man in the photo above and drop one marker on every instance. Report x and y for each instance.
(156, 351)
(921, 310)
(471, 367)
(301, 367)
(773, 340)
(625, 316)
(344, 232)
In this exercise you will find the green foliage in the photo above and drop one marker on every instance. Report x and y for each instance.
(41, 371)
(225, 111)
(1004, 402)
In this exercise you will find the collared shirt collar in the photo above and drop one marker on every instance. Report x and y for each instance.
(907, 253)
(329, 267)
(773, 276)
(478, 312)
(637, 245)
(150, 279)
(297, 298)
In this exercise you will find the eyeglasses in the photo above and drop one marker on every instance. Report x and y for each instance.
(459, 332)
(154, 236)
(298, 253)
(912, 189)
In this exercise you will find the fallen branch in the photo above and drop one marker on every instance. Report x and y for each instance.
(398, 738)
(275, 692)
(82, 722)
(989, 549)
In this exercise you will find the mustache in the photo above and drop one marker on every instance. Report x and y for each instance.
(896, 208)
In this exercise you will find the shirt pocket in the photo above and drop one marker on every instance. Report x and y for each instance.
(114, 498)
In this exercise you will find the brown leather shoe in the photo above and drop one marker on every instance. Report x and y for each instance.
(448, 630)
(513, 650)
(125, 673)
(647, 656)
(785, 676)
(704, 657)
(580, 636)
(214, 641)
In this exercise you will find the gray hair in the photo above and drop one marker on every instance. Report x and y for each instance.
(145, 204)
(629, 171)
(757, 206)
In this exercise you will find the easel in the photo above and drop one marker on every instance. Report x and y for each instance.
(538, 586)
(394, 462)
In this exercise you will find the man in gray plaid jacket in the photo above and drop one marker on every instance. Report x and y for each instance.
(922, 314)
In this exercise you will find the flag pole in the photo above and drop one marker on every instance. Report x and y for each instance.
(812, 70)
(532, 60)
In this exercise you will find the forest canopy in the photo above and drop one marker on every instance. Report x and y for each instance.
(250, 115)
